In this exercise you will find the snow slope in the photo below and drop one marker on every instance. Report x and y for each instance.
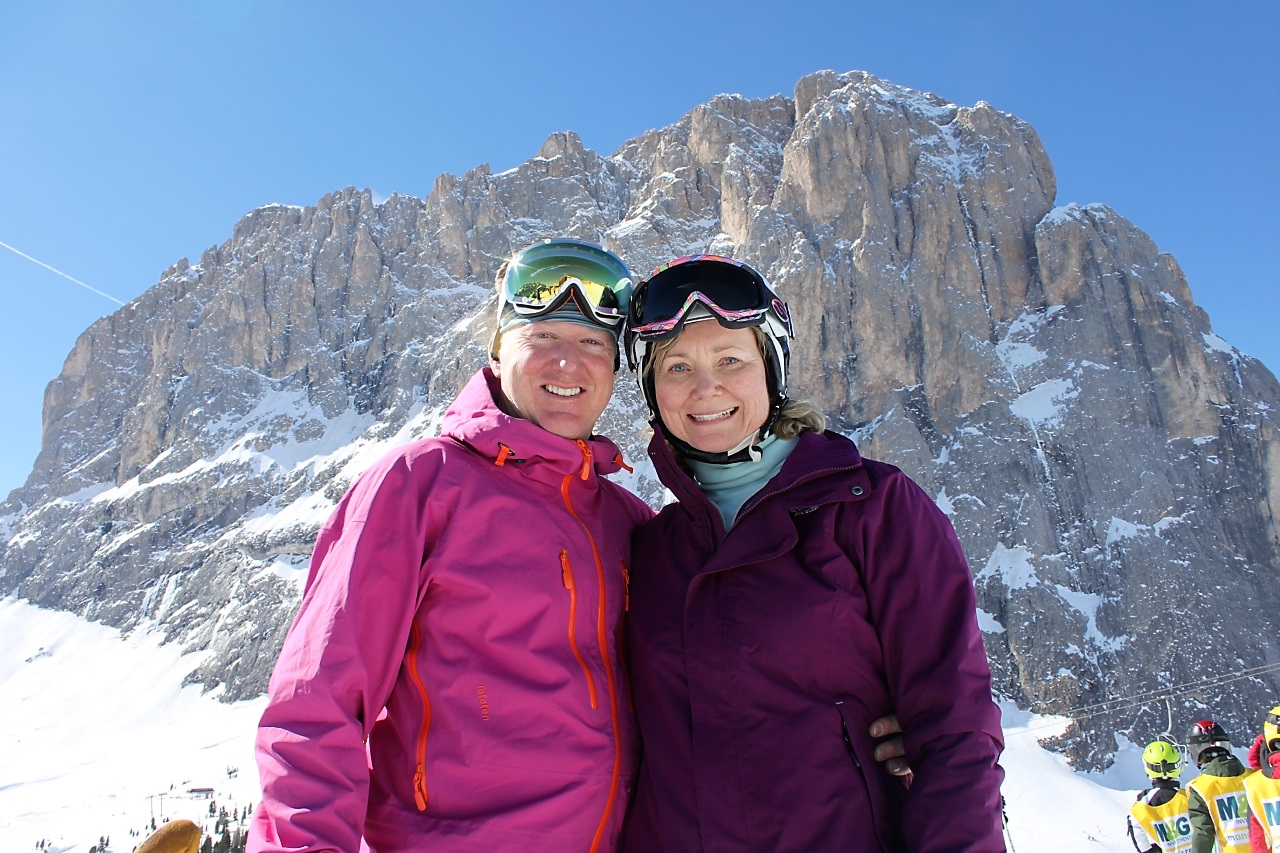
(98, 736)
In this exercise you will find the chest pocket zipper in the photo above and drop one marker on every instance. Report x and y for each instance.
(566, 575)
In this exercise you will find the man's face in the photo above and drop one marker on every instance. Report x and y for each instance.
(558, 375)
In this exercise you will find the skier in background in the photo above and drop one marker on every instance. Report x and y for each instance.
(1263, 788)
(1158, 821)
(1215, 799)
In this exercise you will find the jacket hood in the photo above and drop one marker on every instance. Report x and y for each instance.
(475, 420)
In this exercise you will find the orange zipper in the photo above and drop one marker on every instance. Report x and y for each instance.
(566, 574)
(420, 770)
(602, 631)
(623, 655)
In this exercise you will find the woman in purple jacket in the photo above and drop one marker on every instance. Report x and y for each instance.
(794, 594)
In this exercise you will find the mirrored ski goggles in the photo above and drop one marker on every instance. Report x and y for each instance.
(544, 277)
(737, 295)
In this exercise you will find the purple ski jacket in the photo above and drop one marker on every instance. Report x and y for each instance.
(760, 657)
(452, 679)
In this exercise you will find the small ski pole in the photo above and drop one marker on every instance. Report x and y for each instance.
(1004, 815)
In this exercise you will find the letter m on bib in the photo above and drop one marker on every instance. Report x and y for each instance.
(1228, 807)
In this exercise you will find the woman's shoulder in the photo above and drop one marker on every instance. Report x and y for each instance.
(673, 523)
(867, 486)
(839, 453)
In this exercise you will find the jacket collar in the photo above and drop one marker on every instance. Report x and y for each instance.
(475, 420)
(801, 479)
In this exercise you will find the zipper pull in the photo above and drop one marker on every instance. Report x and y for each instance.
(420, 788)
(626, 588)
(566, 573)
(586, 458)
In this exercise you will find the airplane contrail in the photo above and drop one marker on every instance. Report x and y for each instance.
(61, 273)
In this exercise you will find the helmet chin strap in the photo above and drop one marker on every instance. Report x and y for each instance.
(745, 451)
(741, 453)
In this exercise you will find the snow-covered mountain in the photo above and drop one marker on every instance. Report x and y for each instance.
(1111, 465)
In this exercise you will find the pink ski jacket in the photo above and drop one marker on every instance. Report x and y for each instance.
(452, 679)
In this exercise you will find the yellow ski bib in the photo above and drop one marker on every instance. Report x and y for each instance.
(1264, 802)
(1228, 807)
(1169, 825)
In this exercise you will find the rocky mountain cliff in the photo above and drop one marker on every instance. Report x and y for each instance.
(1111, 465)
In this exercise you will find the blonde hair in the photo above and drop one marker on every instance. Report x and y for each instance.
(796, 415)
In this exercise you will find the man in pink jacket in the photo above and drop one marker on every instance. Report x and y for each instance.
(452, 681)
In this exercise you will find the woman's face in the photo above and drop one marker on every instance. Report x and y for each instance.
(711, 387)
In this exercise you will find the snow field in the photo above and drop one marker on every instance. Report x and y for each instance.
(95, 727)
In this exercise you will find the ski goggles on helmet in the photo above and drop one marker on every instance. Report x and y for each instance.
(1271, 728)
(733, 292)
(1163, 768)
(543, 278)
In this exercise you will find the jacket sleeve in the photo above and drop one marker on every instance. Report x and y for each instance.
(922, 603)
(1257, 838)
(1141, 841)
(1203, 835)
(339, 663)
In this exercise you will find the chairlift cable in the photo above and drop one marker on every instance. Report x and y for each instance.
(1179, 689)
(1086, 712)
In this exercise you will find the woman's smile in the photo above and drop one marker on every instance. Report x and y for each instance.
(711, 388)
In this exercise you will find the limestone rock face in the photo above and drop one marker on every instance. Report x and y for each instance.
(1112, 467)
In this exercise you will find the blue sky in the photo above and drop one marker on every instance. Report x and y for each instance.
(133, 134)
